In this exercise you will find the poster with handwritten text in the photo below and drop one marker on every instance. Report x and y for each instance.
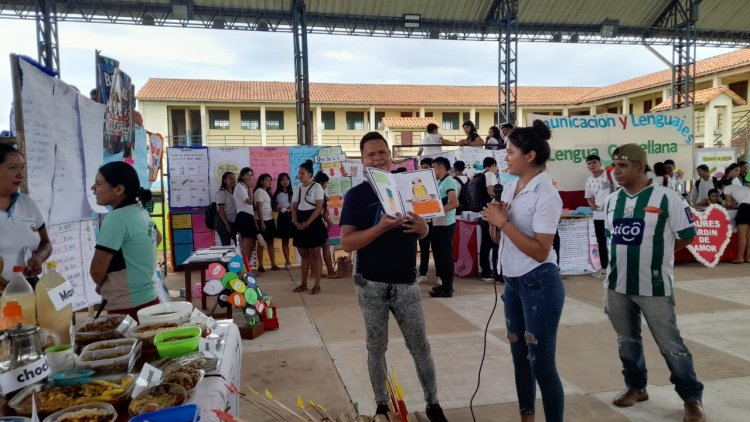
(222, 160)
(297, 156)
(271, 160)
(188, 177)
(72, 249)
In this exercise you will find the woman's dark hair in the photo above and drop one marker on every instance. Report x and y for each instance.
(495, 132)
(308, 166)
(280, 189)
(659, 169)
(259, 183)
(320, 178)
(731, 167)
(443, 162)
(120, 173)
(6, 149)
(224, 178)
(426, 160)
(713, 191)
(470, 124)
(723, 182)
(243, 172)
(533, 138)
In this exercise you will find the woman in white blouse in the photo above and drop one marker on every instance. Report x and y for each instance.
(310, 233)
(264, 212)
(525, 222)
(244, 222)
(282, 204)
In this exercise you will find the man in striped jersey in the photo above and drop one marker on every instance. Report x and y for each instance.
(645, 224)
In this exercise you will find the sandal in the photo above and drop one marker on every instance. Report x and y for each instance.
(275, 268)
(315, 290)
(261, 270)
(301, 288)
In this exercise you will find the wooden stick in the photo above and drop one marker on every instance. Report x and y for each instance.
(270, 396)
(275, 406)
(301, 405)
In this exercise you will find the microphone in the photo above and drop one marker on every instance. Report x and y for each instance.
(498, 193)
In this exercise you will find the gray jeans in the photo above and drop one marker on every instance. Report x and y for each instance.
(405, 302)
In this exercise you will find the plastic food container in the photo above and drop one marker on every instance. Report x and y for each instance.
(175, 348)
(177, 312)
(74, 411)
(110, 344)
(110, 361)
(147, 332)
(184, 413)
(118, 395)
(163, 396)
(75, 377)
(104, 328)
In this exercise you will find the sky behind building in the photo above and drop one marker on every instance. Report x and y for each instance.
(146, 52)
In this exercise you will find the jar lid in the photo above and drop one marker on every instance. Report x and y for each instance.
(21, 330)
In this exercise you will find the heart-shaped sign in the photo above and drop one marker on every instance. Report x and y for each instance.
(713, 231)
(215, 271)
(213, 287)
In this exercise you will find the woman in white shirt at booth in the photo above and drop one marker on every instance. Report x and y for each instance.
(525, 223)
(311, 232)
(244, 222)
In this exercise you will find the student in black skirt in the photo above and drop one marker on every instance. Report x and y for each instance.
(307, 216)
(322, 179)
(264, 214)
(244, 223)
(282, 204)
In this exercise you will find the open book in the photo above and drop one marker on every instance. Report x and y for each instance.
(415, 191)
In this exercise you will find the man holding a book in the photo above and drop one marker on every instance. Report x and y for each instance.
(385, 277)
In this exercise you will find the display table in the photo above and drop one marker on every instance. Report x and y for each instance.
(200, 261)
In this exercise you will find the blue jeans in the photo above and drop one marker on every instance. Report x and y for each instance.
(625, 314)
(533, 306)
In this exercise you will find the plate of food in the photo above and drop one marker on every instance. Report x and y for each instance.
(90, 412)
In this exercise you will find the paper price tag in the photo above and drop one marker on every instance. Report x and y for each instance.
(61, 296)
(126, 325)
(149, 376)
(211, 323)
(209, 345)
(26, 375)
(198, 317)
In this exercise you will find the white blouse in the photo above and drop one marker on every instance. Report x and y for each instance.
(306, 197)
(240, 194)
(261, 196)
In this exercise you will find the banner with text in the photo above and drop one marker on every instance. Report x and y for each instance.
(717, 159)
(662, 135)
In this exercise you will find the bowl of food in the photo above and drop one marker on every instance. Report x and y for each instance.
(91, 330)
(177, 342)
(90, 412)
(159, 397)
(176, 312)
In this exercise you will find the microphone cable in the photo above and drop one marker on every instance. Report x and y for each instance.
(484, 353)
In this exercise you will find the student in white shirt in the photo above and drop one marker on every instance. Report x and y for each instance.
(598, 186)
(311, 232)
(432, 143)
(702, 185)
(244, 222)
(738, 197)
(264, 211)
(732, 173)
(525, 223)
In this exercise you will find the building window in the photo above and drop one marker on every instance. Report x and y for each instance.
(379, 119)
(218, 119)
(467, 116)
(647, 105)
(274, 120)
(407, 114)
(450, 121)
(328, 119)
(613, 110)
(427, 114)
(355, 120)
(630, 109)
(250, 119)
(740, 88)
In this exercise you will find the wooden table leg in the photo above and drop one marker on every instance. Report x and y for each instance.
(203, 283)
(188, 279)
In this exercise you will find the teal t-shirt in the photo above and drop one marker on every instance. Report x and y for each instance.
(444, 186)
(130, 236)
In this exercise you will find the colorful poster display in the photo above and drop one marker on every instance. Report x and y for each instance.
(665, 135)
(105, 73)
(297, 156)
(221, 160)
(188, 177)
(118, 126)
(271, 160)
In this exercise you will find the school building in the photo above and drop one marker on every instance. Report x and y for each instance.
(256, 113)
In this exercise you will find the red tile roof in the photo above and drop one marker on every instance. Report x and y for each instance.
(408, 122)
(704, 96)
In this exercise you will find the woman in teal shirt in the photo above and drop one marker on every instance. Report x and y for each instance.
(125, 258)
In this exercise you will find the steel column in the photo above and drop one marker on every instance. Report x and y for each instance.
(301, 72)
(507, 106)
(682, 18)
(46, 35)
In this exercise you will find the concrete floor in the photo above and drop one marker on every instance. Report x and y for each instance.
(319, 352)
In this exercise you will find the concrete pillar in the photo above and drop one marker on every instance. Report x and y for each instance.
(709, 125)
(626, 105)
(421, 111)
(726, 129)
(319, 125)
(188, 129)
(665, 93)
(263, 125)
(592, 110)
(473, 115)
(520, 118)
(715, 81)
(373, 123)
(566, 112)
(204, 125)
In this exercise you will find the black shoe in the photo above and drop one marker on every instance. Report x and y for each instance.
(437, 288)
(500, 280)
(382, 409)
(440, 293)
(435, 413)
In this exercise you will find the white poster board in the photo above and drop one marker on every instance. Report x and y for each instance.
(188, 177)
(667, 135)
(575, 257)
(717, 159)
(72, 249)
(222, 160)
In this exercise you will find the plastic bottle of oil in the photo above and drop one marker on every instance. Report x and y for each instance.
(19, 290)
(47, 316)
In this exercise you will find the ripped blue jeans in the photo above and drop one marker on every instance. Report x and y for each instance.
(533, 306)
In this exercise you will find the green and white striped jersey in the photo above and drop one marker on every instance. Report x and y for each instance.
(641, 232)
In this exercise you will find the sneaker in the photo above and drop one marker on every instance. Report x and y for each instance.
(440, 293)
(488, 278)
(287, 266)
(382, 409)
(421, 279)
(435, 413)
(500, 280)
(438, 282)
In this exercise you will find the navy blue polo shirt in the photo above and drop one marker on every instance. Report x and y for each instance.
(392, 257)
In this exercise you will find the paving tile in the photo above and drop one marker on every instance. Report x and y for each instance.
(725, 331)
(306, 371)
(296, 331)
(723, 400)
(694, 271)
(735, 289)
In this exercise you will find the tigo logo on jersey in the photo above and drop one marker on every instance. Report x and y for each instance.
(628, 231)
